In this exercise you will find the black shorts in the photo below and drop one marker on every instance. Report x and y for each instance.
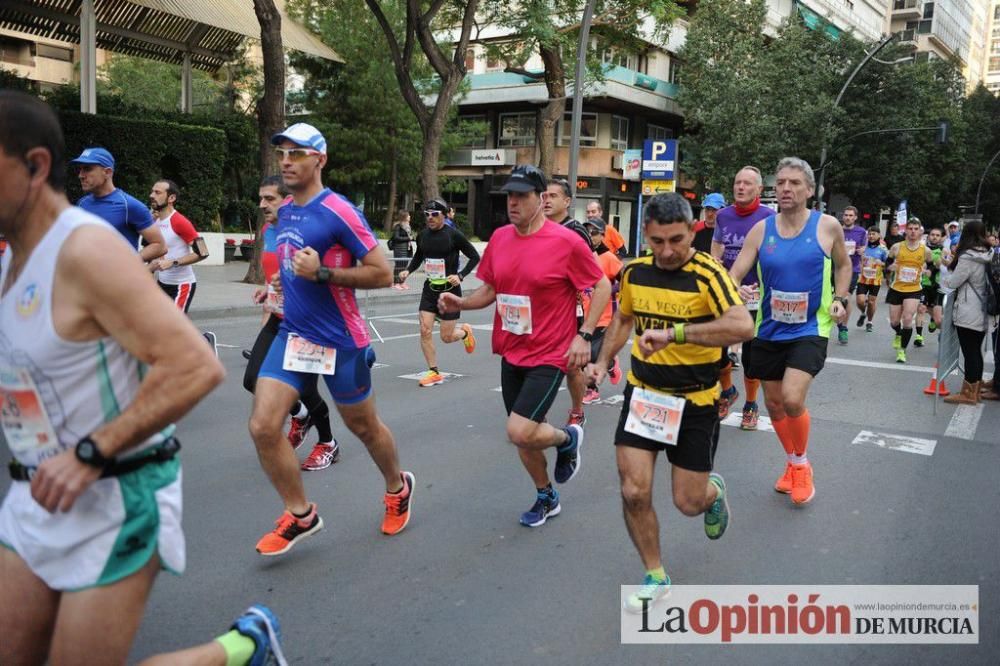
(529, 392)
(854, 282)
(182, 294)
(897, 297)
(746, 356)
(868, 289)
(931, 297)
(772, 358)
(596, 344)
(696, 442)
(429, 300)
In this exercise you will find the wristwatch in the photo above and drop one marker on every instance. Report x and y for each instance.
(323, 275)
(842, 300)
(88, 453)
(588, 337)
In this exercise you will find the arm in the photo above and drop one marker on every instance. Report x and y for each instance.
(956, 278)
(469, 250)
(373, 273)
(155, 248)
(415, 261)
(477, 300)
(718, 249)
(614, 339)
(735, 325)
(748, 255)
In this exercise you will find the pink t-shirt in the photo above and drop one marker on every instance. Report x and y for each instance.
(536, 279)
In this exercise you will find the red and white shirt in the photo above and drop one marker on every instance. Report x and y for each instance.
(179, 234)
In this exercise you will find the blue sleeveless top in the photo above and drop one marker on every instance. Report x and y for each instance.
(796, 287)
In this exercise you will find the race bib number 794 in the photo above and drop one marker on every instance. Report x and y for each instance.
(515, 313)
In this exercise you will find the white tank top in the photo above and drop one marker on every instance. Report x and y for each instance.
(172, 229)
(54, 392)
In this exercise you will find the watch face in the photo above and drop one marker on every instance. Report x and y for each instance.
(86, 449)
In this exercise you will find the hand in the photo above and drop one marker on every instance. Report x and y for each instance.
(859, 250)
(652, 341)
(60, 480)
(596, 372)
(305, 263)
(403, 275)
(276, 282)
(747, 292)
(259, 295)
(578, 353)
(838, 312)
(449, 303)
(454, 280)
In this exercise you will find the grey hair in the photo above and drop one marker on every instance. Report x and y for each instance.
(750, 167)
(801, 165)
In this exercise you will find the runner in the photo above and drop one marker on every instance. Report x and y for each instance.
(796, 252)
(873, 263)
(326, 250)
(533, 270)
(855, 239)
(682, 307)
(93, 511)
(930, 284)
(556, 206)
(909, 258)
(611, 266)
(612, 237)
(438, 247)
(119, 208)
(704, 230)
(185, 246)
(310, 410)
(731, 228)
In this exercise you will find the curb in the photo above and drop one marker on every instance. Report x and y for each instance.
(220, 312)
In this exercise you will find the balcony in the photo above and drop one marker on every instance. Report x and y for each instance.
(907, 9)
(908, 38)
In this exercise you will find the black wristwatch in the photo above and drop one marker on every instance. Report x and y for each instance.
(323, 275)
(842, 300)
(88, 453)
(588, 337)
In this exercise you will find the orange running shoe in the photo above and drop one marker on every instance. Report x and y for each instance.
(431, 378)
(397, 507)
(784, 484)
(803, 489)
(288, 531)
(469, 340)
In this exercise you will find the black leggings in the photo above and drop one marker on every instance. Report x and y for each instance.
(972, 349)
(310, 396)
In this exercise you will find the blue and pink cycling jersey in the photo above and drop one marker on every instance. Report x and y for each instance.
(323, 314)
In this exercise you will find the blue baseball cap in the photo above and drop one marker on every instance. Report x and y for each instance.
(302, 134)
(98, 156)
(714, 200)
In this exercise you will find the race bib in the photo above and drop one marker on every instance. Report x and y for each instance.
(579, 310)
(275, 301)
(851, 246)
(753, 303)
(790, 307)
(869, 272)
(908, 274)
(515, 313)
(304, 356)
(434, 269)
(655, 416)
(25, 423)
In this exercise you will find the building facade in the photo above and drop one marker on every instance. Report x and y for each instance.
(991, 61)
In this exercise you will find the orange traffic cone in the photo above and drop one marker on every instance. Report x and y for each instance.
(935, 386)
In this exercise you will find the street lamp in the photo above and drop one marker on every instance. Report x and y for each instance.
(983, 179)
(581, 64)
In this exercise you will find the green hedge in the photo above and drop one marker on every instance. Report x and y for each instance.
(146, 150)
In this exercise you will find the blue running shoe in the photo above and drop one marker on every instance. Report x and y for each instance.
(261, 625)
(544, 508)
(568, 455)
(652, 590)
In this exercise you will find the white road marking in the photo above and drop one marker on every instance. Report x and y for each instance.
(408, 322)
(924, 447)
(499, 389)
(736, 418)
(964, 422)
(926, 369)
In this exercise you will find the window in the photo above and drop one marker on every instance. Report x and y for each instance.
(657, 133)
(470, 60)
(493, 64)
(996, 13)
(929, 10)
(588, 130)
(994, 65)
(924, 27)
(473, 130)
(516, 129)
(674, 72)
(53, 52)
(619, 58)
(619, 133)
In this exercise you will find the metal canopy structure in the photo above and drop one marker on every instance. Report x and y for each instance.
(191, 33)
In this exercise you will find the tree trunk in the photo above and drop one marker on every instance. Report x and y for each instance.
(270, 110)
(553, 111)
(390, 210)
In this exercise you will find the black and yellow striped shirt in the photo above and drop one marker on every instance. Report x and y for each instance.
(699, 291)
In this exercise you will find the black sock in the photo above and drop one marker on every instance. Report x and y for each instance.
(920, 330)
(547, 490)
(303, 515)
(433, 368)
(896, 328)
(907, 332)
(320, 414)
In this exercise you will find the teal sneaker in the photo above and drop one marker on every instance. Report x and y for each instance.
(261, 625)
(652, 591)
(842, 336)
(717, 516)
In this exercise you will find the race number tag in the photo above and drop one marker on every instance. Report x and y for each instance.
(869, 269)
(850, 246)
(515, 313)
(753, 303)
(790, 307)
(908, 274)
(579, 310)
(434, 269)
(304, 356)
(655, 416)
(275, 301)
(23, 418)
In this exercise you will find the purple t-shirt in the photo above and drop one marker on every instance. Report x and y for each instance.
(731, 230)
(859, 237)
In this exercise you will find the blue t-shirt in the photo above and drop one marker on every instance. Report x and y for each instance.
(121, 210)
(324, 314)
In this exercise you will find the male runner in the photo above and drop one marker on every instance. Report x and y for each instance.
(930, 284)
(438, 246)
(873, 263)
(612, 237)
(95, 365)
(682, 307)
(797, 252)
(310, 410)
(326, 250)
(611, 266)
(855, 239)
(185, 246)
(731, 228)
(533, 269)
(704, 230)
(556, 206)
(909, 258)
(120, 209)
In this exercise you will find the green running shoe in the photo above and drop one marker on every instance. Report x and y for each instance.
(900, 356)
(918, 341)
(897, 342)
(717, 516)
(652, 590)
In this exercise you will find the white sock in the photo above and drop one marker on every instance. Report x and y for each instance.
(797, 460)
(302, 412)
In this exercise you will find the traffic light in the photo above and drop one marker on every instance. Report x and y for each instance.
(942, 132)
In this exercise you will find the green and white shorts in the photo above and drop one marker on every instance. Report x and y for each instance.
(111, 532)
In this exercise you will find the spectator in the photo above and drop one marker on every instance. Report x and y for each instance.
(401, 244)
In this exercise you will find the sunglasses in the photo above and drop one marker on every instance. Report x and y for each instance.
(432, 213)
(596, 232)
(294, 154)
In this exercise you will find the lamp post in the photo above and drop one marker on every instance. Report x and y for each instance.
(581, 64)
(982, 180)
(822, 158)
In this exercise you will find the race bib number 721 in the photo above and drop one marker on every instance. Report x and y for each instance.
(655, 416)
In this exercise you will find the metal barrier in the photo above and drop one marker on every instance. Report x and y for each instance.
(375, 303)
